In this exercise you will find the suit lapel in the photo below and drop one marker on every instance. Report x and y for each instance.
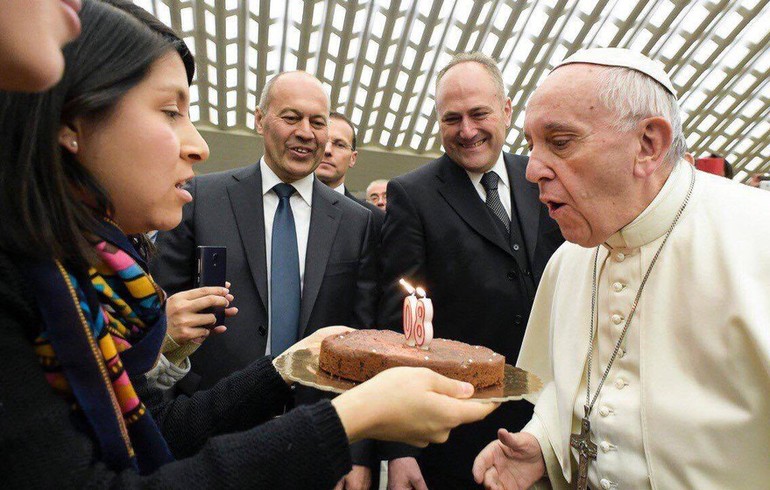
(324, 221)
(246, 201)
(526, 196)
(459, 193)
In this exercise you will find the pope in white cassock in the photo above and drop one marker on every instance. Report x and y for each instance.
(651, 329)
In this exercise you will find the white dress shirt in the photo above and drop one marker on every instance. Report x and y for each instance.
(340, 188)
(300, 203)
(503, 186)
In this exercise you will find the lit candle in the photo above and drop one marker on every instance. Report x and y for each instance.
(410, 312)
(423, 327)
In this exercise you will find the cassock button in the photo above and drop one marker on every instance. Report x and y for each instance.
(518, 319)
(512, 275)
(516, 246)
(617, 319)
(262, 330)
(620, 383)
(605, 446)
(604, 411)
(618, 287)
(606, 484)
(620, 256)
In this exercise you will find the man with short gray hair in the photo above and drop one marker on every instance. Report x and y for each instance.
(299, 255)
(649, 329)
(469, 228)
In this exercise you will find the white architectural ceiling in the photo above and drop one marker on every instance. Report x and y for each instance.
(379, 59)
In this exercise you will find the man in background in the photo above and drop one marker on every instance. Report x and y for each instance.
(340, 156)
(470, 229)
(377, 193)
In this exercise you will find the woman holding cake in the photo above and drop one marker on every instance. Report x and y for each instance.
(85, 169)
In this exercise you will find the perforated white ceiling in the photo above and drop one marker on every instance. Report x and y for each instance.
(379, 59)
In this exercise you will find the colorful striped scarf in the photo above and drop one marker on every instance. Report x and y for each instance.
(99, 330)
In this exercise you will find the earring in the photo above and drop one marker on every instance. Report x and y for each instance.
(74, 144)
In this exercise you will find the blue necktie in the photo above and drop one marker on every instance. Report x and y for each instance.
(284, 275)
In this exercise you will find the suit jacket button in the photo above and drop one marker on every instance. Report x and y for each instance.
(512, 275)
(262, 330)
(518, 319)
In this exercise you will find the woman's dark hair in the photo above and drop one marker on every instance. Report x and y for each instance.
(43, 189)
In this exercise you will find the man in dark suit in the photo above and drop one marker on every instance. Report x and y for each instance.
(470, 229)
(339, 157)
(284, 231)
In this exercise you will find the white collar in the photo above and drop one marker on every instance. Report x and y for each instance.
(499, 169)
(304, 186)
(340, 188)
(654, 221)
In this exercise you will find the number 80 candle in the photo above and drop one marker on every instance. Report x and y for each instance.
(418, 317)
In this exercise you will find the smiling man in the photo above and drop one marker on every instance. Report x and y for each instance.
(469, 228)
(299, 255)
(650, 329)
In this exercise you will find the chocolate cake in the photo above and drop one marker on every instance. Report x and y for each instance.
(361, 354)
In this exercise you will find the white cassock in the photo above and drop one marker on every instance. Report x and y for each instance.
(687, 401)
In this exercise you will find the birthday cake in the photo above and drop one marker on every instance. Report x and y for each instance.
(359, 355)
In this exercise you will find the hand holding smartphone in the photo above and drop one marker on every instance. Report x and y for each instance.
(212, 271)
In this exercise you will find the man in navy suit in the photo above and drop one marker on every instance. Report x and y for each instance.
(470, 229)
(333, 236)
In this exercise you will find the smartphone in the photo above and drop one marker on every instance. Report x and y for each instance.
(212, 269)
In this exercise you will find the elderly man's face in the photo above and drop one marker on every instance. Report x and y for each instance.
(377, 194)
(473, 116)
(583, 166)
(294, 126)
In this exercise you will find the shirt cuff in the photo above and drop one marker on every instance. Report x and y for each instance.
(554, 476)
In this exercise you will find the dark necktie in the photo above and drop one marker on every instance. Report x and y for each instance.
(490, 180)
(284, 275)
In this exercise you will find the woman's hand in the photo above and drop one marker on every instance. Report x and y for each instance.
(186, 323)
(314, 339)
(412, 405)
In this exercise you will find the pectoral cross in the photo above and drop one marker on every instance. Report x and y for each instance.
(586, 450)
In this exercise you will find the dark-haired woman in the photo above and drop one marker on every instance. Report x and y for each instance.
(101, 157)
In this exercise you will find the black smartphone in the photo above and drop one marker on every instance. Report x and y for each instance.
(212, 269)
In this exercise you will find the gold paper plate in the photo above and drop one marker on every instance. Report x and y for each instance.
(301, 366)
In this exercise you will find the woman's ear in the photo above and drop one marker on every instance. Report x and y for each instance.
(68, 138)
(656, 136)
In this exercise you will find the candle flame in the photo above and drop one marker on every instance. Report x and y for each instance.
(409, 288)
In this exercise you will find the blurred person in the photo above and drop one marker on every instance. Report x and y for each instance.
(86, 169)
(649, 329)
(759, 180)
(274, 215)
(469, 229)
(714, 164)
(31, 37)
(377, 193)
